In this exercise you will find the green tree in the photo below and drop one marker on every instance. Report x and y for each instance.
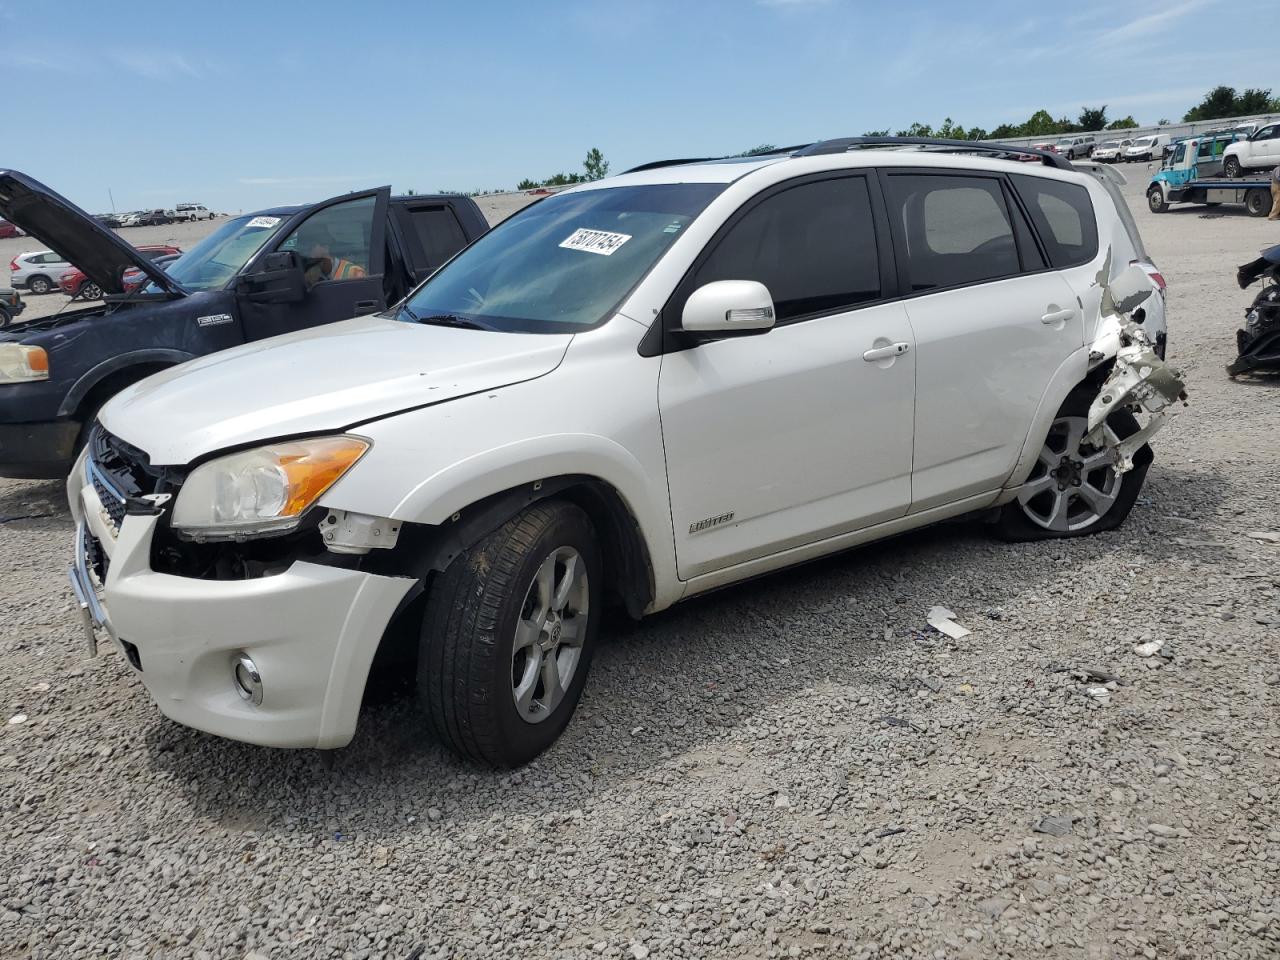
(1125, 123)
(1040, 124)
(951, 130)
(1218, 102)
(1007, 130)
(1255, 101)
(876, 133)
(917, 130)
(527, 184)
(1162, 122)
(1093, 118)
(596, 166)
(758, 150)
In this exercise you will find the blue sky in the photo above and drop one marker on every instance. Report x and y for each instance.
(244, 105)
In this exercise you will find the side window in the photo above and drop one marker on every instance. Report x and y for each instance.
(813, 245)
(1206, 149)
(334, 242)
(956, 229)
(439, 234)
(1063, 216)
(1268, 133)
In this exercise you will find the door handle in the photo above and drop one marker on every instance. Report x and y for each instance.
(886, 353)
(366, 306)
(1057, 316)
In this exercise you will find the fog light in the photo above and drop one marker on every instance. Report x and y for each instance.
(247, 678)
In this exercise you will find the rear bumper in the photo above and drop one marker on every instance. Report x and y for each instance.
(37, 451)
(312, 632)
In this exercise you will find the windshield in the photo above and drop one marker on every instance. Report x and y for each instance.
(1066, 141)
(221, 255)
(1144, 142)
(564, 263)
(1173, 158)
(1109, 144)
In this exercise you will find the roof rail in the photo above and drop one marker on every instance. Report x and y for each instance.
(745, 158)
(845, 144)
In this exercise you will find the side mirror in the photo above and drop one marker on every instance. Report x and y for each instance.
(1130, 288)
(725, 308)
(279, 278)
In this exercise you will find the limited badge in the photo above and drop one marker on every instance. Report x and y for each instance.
(595, 241)
(214, 320)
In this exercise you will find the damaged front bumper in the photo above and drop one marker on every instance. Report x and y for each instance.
(1142, 383)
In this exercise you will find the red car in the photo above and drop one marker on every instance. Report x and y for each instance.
(8, 230)
(75, 284)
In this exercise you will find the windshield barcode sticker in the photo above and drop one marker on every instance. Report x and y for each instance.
(595, 241)
(263, 222)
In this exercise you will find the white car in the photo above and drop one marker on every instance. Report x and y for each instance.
(37, 270)
(192, 211)
(629, 393)
(1145, 149)
(1260, 152)
(1109, 151)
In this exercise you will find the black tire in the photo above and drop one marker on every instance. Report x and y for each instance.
(1258, 202)
(1014, 524)
(5, 317)
(39, 285)
(90, 291)
(467, 654)
(1231, 167)
(1156, 201)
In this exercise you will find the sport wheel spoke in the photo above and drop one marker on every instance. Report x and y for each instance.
(568, 580)
(526, 685)
(1058, 518)
(1098, 501)
(528, 633)
(545, 580)
(1033, 488)
(552, 689)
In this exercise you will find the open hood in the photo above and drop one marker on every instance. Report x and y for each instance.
(326, 378)
(62, 226)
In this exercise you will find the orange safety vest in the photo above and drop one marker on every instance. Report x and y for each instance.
(344, 269)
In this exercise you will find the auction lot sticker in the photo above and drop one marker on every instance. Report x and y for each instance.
(595, 241)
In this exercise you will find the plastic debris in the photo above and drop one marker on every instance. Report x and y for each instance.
(1101, 694)
(943, 620)
(17, 718)
(1148, 649)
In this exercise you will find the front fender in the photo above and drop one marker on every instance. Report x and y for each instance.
(112, 365)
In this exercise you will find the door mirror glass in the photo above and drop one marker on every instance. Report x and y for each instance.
(728, 307)
(278, 279)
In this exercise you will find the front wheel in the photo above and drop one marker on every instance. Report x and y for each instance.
(1156, 200)
(39, 285)
(91, 291)
(1073, 489)
(508, 634)
(5, 317)
(1231, 167)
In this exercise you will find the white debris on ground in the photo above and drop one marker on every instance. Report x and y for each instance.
(792, 768)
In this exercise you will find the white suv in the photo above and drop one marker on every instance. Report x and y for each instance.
(38, 270)
(628, 393)
(192, 211)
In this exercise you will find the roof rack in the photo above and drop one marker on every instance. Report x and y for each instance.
(745, 158)
(845, 144)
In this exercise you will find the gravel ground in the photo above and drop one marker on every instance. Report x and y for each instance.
(795, 767)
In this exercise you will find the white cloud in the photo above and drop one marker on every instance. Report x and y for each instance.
(1152, 23)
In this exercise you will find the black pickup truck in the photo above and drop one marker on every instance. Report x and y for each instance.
(256, 276)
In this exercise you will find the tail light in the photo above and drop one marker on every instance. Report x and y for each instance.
(13, 265)
(1156, 276)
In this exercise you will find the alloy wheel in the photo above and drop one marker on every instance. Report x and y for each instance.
(549, 634)
(1073, 484)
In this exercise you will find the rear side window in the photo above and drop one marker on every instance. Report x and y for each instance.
(1063, 216)
(956, 229)
(813, 245)
(439, 233)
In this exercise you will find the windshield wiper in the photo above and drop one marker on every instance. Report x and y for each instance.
(447, 320)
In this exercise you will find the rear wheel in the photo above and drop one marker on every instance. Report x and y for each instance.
(508, 634)
(1073, 489)
(40, 285)
(5, 317)
(1258, 202)
(1231, 167)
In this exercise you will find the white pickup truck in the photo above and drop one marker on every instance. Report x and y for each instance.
(1259, 152)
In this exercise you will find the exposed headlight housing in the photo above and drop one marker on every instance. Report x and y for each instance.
(20, 363)
(263, 490)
